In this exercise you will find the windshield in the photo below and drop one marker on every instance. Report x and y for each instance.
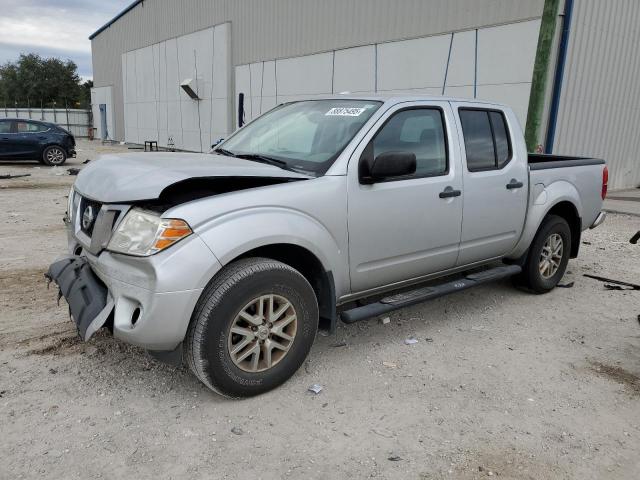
(306, 135)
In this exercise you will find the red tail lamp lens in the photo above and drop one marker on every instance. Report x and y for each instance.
(605, 181)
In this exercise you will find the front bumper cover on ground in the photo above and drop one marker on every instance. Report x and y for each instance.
(89, 301)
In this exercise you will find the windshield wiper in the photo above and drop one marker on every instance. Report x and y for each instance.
(227, 153)
(255, 157)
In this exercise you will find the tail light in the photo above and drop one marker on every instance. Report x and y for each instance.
(605, 180)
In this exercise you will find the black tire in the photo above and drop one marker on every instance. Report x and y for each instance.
(54, 156)
(532, 277)
(207, 349)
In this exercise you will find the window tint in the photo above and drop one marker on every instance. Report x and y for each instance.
(5, 126)
(478, 140)
(503, 153)
(486, 139)
(419, 131)
(30, 127)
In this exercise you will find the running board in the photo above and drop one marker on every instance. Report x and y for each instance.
(406, 299)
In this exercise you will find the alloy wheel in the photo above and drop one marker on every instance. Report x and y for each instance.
(262, 333)
(551, 256)
(55, 156)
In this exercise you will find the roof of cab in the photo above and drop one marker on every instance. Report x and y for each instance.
(394, 98)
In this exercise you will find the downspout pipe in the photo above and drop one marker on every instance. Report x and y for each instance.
(557, 82)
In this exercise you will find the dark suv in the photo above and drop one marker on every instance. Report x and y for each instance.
(35, 140)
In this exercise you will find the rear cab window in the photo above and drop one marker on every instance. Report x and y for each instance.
(5, 126)
(486, 139)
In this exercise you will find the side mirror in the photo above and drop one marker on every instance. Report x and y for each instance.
(387, 165)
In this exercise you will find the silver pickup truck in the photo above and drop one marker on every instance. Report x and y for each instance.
(338, 208)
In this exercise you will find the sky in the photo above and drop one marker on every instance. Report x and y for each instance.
(54, 28)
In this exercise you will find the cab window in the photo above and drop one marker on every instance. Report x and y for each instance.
(5, 126)
(419, 131)
(486, 139)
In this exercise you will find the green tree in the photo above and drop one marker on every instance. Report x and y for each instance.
(35, 81)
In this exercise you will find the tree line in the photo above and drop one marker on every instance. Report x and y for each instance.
(34, 81)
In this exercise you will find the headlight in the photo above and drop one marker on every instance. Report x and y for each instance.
(70, 205)
(142, 233)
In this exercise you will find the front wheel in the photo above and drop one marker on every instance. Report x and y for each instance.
(252, 328)
(548, 255)
(54, 155)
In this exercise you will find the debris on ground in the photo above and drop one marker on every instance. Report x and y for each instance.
(565, 285)
(394, 457)
(428, 339)
(73, 171)
(315, 388)
(635, 238)
(53, 371)
(390, 364)
(410, 341)
(237, 431)
(614, 283)
(86, 161)
(382, 432)
(615, 287)
(385, 320)
(9, 177)
(339, 344)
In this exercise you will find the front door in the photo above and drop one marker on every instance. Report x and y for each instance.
(496, 181)
(407, 227)
(5, 137)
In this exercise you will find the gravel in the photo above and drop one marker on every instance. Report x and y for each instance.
(507, 384)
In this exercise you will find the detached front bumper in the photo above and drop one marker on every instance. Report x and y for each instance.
(149, 299)
(89, 302)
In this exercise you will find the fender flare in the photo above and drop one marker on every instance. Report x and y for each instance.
(539, 207)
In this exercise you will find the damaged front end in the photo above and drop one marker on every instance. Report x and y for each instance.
(90, 304)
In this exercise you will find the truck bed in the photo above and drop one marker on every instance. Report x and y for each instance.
(539, 161)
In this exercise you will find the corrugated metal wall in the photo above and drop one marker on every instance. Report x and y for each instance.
(267, 29)
(600, 104)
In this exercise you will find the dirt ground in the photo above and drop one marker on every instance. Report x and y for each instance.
(501, 383)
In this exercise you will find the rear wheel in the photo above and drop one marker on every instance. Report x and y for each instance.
(548, 255)
(252, 328)
(54, 155)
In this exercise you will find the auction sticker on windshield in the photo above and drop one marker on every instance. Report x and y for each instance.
(345, 111)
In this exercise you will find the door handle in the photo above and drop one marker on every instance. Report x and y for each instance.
(449, 192)
(514, 184)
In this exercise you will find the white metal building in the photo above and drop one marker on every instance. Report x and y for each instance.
(272, 51)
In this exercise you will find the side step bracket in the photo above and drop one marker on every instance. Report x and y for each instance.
(406, 299)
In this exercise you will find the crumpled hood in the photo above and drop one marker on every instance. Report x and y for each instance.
(143, 176)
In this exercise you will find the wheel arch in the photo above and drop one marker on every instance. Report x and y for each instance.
(567, 210)
(50, 143)
(310, 266)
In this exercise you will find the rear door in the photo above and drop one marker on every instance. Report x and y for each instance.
(401, 228)
(29, 138)
(495, 177)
